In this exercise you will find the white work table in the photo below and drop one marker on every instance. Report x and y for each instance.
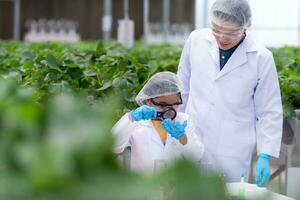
(250, 191)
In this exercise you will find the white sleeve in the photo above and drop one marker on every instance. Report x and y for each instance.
(194, 148)
(184, 72)
(268, 109)
(122, 131)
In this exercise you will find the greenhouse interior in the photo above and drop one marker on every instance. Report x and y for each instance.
(150, 99)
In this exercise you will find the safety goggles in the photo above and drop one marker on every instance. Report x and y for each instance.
(167, 104)
(229, 35)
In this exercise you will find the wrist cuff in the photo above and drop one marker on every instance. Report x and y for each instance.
(262, 155)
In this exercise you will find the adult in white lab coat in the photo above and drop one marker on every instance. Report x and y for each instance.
(232, 93)
(155, 139)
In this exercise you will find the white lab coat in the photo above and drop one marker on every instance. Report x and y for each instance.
(235, 108)
(147, 147)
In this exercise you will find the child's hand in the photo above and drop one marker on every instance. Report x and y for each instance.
(143, 113)
(175, 129)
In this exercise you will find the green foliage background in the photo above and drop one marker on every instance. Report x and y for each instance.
(95, 70)
(99, 69)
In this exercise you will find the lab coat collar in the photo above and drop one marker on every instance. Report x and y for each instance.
(152, 134)
(238, 58)
(145, 123)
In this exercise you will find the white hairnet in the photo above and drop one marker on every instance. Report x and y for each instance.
(160, 84)
(231, 13)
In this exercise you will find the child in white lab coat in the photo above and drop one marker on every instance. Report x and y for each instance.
(156, 133)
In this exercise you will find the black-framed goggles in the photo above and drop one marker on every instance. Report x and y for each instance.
(167, 105)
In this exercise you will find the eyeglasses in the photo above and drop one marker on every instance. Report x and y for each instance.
(166, 104)
(232, 35)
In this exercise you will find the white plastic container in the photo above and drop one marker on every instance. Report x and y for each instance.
(251, 191)
(126, 33)
(246, 190)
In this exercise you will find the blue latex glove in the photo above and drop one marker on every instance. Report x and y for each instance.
(143, 113)
(175, 129)
(262, 170)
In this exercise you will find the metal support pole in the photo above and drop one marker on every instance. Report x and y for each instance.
(201, 13)
(16, 25)
(166, 19)
(107, 20)
(299, 25)
(126, 9)
(205, 13)
(146, 21)
(17, 10)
